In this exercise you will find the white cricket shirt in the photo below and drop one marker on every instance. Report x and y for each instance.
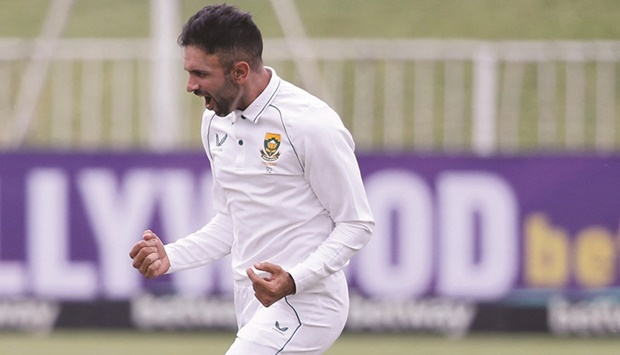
(287, 189)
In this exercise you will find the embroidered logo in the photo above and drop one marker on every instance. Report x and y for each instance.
(279, 328)
(218, 141)
(271, 144)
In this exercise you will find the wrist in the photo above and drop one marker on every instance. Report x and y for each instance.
(293, 286)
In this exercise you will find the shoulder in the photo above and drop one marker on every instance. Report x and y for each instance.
(303, 110)
(310, 123)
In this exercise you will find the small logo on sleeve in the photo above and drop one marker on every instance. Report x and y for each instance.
(271, 144)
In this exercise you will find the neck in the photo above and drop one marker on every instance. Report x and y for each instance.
(254, 86)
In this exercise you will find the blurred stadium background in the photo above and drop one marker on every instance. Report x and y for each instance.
(488, 134)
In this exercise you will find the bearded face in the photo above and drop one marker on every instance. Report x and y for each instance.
(208, 79)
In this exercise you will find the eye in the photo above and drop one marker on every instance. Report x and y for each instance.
(199, 74)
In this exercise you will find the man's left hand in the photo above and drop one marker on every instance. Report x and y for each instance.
(270, 289)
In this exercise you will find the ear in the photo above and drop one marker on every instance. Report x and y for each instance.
(240, 72)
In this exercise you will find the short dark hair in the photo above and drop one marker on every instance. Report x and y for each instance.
(227, 32)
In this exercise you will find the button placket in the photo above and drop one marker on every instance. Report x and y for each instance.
(240, 129)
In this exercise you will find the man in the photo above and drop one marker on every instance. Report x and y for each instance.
(291, 207)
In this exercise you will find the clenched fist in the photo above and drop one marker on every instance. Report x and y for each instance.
(149, 256)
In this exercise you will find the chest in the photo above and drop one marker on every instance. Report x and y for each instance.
(245, 147)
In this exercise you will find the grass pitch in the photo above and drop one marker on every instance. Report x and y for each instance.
(162, 343)
(480, 19)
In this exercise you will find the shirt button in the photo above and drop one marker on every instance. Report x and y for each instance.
(240, 142)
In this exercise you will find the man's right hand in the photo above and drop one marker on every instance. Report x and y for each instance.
(149, 256)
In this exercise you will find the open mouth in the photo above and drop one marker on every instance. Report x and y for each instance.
(209, 102)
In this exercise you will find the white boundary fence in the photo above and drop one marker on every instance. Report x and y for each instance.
(428, 95)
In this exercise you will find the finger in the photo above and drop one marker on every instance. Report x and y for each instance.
(139, 258)
(148, 234)
(253, 277)
(136, 248)
(148, 261)
(137, 262)
(144, 264)
(153, 240)
(267, 266)
(148, 240)
(139, 255)
(153, 269)
(150, 243)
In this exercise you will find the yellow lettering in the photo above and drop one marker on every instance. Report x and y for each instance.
(594, 258)
(546, 253)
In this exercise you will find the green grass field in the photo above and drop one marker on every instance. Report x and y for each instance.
(484, 19)
(126, 343)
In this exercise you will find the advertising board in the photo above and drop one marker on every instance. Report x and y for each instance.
(461, 242)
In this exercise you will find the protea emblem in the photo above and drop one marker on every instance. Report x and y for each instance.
(271, 144)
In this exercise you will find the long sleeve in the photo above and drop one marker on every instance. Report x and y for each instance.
(211, 242)
(332, 255)
(327, 152)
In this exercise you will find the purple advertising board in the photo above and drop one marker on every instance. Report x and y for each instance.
(452, 232)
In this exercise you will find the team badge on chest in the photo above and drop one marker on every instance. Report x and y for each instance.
(271, 144)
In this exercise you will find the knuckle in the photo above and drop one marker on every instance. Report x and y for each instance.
(151, 257)
(152, 269)
(140, 254)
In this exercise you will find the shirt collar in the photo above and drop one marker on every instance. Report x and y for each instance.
(258, 106)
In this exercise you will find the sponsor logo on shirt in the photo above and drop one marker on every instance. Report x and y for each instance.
(218, 141)
(271, 144)
(279, 329)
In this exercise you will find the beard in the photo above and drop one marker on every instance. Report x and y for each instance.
(222, 102)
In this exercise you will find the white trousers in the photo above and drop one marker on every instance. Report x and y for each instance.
(307, 323)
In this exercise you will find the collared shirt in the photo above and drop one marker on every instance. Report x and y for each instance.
(287, 189)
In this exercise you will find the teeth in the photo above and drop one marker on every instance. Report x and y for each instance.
(208, 102)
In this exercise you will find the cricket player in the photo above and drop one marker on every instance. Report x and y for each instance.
(290, 205)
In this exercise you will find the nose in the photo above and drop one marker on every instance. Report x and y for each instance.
(191, 85)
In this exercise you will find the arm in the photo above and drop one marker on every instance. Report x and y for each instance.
(213, 241)
(207, 244)
(210, 243)
(330, 167)
(327, 153)
(331, 256)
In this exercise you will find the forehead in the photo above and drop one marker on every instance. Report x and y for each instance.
(195, 58)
